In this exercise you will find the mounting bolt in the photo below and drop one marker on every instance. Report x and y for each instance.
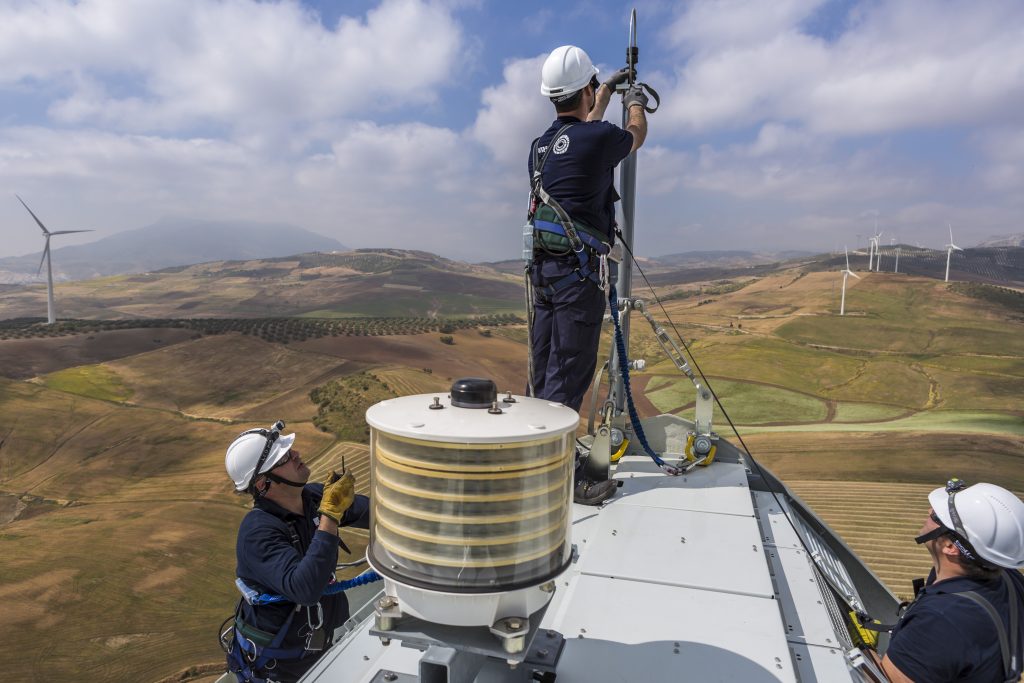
(390, 676)
(494, 409)
(436, 405)
(508, 398)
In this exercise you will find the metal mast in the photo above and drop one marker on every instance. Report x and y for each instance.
(627, 193)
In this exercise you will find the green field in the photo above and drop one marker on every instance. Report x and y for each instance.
(94, 381)
(747, 403)
(865, 412)
(953, 421)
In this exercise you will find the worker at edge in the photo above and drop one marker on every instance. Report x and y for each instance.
(975, 536)
(578, 173)
(287, 545)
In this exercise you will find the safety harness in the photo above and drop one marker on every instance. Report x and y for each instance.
(252, 652)
(562, 225)
(1009, 643)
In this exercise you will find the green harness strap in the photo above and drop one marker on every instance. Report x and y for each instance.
(560, 243)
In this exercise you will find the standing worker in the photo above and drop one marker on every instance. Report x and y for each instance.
(288, 546)
(965, 624)
(572, 210)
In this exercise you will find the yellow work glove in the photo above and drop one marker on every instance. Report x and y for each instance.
(339, 492)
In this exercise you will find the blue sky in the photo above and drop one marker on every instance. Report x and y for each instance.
(406, 123)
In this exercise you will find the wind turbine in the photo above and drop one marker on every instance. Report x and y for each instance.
(897, 268)
(949, 250)
(874, 249)
(846, 273)
(50, 316)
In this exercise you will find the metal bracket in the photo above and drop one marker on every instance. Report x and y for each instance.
(599, 461)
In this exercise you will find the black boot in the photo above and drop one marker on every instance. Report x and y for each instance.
(594, 492)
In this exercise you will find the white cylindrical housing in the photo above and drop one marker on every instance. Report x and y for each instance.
(470, 500)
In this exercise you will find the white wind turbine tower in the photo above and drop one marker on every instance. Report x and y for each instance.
(846, 273)
(949, 250)
(874, 250)
(50, 315)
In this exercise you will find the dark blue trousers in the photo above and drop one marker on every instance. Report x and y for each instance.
(566, 332)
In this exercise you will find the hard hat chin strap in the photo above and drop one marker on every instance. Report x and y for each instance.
(281, 480)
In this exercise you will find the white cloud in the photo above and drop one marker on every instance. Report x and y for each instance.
(1004, 152)
(898, 65)
(238, 64)
(717, 24)
(512, 112)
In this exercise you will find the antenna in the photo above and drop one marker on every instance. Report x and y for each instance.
(50, 315)
(627, 192)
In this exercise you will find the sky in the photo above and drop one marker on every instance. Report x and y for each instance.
(790, 124)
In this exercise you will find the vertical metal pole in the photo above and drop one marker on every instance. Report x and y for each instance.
(624, 283)
(624, 286)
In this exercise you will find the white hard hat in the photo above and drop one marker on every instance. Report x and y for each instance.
(991, 517)
(245, 451)
(566, 70)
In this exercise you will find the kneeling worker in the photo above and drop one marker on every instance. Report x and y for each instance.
(966, 622)
(288, 546)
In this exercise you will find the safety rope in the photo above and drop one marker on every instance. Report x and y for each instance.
(529, 329)
(634, 416)
(254, 598)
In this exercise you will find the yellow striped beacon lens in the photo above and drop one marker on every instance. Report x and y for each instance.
(471, 517)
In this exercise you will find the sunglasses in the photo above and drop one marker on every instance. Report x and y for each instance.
(285, 460)
(594, 83)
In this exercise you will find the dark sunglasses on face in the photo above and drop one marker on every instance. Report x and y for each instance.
(284, 461)
(594, 83)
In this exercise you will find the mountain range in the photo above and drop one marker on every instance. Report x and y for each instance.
(166, 243)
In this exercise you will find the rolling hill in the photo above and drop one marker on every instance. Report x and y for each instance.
(113, 498)
(367, 282)
(166, 243)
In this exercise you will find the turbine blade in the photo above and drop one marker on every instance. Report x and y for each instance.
(46, 252)
(38, 222)
(68, 232)
(854, 274)
(950, 232)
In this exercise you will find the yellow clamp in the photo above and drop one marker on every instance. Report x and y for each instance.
(862, 637)
(617, 455)
(688, 451)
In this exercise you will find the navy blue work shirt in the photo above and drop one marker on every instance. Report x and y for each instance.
(270, 562)
(943, 637)
(580, 171)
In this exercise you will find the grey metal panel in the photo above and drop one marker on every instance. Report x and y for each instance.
(720, 488)
(822, 664)
(803, 597)
(780, 530)
(800, 599)
(359, 657)
(629, 631)
(680, 548)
